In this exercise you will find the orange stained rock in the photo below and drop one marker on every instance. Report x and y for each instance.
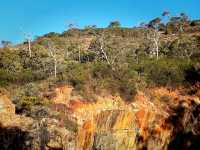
(165, 92)
(124, 120)
(158, 130)
(63, 94)
(140, 116)
(198, 93)
(85, 136)
(6, 105)
(87, 125)
(76, 104)
(140, 97)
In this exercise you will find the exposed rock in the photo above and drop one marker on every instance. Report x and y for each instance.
(63, 94)
(153, 121)
(6, 106)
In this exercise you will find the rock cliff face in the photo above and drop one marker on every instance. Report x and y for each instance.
(6, 105)
(157, 119)
(115, 125)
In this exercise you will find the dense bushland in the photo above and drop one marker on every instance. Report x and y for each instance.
(119, 60)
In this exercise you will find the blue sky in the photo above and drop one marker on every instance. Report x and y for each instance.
(42, 16)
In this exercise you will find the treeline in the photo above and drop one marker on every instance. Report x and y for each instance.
(120, 60)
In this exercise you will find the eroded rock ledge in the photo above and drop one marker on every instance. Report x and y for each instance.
(156, 120)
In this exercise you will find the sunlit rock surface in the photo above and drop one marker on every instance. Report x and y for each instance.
(6, 106)
(152, 121)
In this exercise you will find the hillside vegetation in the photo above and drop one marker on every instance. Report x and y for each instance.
(89, 88)
(120, 60)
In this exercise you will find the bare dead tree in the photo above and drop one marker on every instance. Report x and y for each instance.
(79, 54)
(114, 56)
(28, 38)
(154, 36)
(53, 55)
(52, 52)
(102, 50)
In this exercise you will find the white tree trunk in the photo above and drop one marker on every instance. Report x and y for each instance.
(79, 55)
(156, 48)
(67, 54)
(53, 55)
(154, 37)
(104, 54)
(29, 47)
(55, 67)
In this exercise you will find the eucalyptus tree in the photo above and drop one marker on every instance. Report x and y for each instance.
(28, 38)
(5, 43)
(179, 22)
(114, 24)
(153, 35)
(53, 54)
(110, 50)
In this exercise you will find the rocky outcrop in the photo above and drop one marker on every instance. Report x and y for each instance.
(6, 106)
(121, 127)
(156, 120)
(13, 134)
(144, 124)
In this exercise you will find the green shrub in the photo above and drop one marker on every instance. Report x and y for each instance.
(120, 81)
(6, 77)
(165, 71)
(30, 101)
(77, 75)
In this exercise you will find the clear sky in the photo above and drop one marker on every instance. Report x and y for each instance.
(42, 16)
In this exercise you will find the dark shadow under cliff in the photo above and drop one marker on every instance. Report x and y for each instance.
(13, 138)
(186, 124)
